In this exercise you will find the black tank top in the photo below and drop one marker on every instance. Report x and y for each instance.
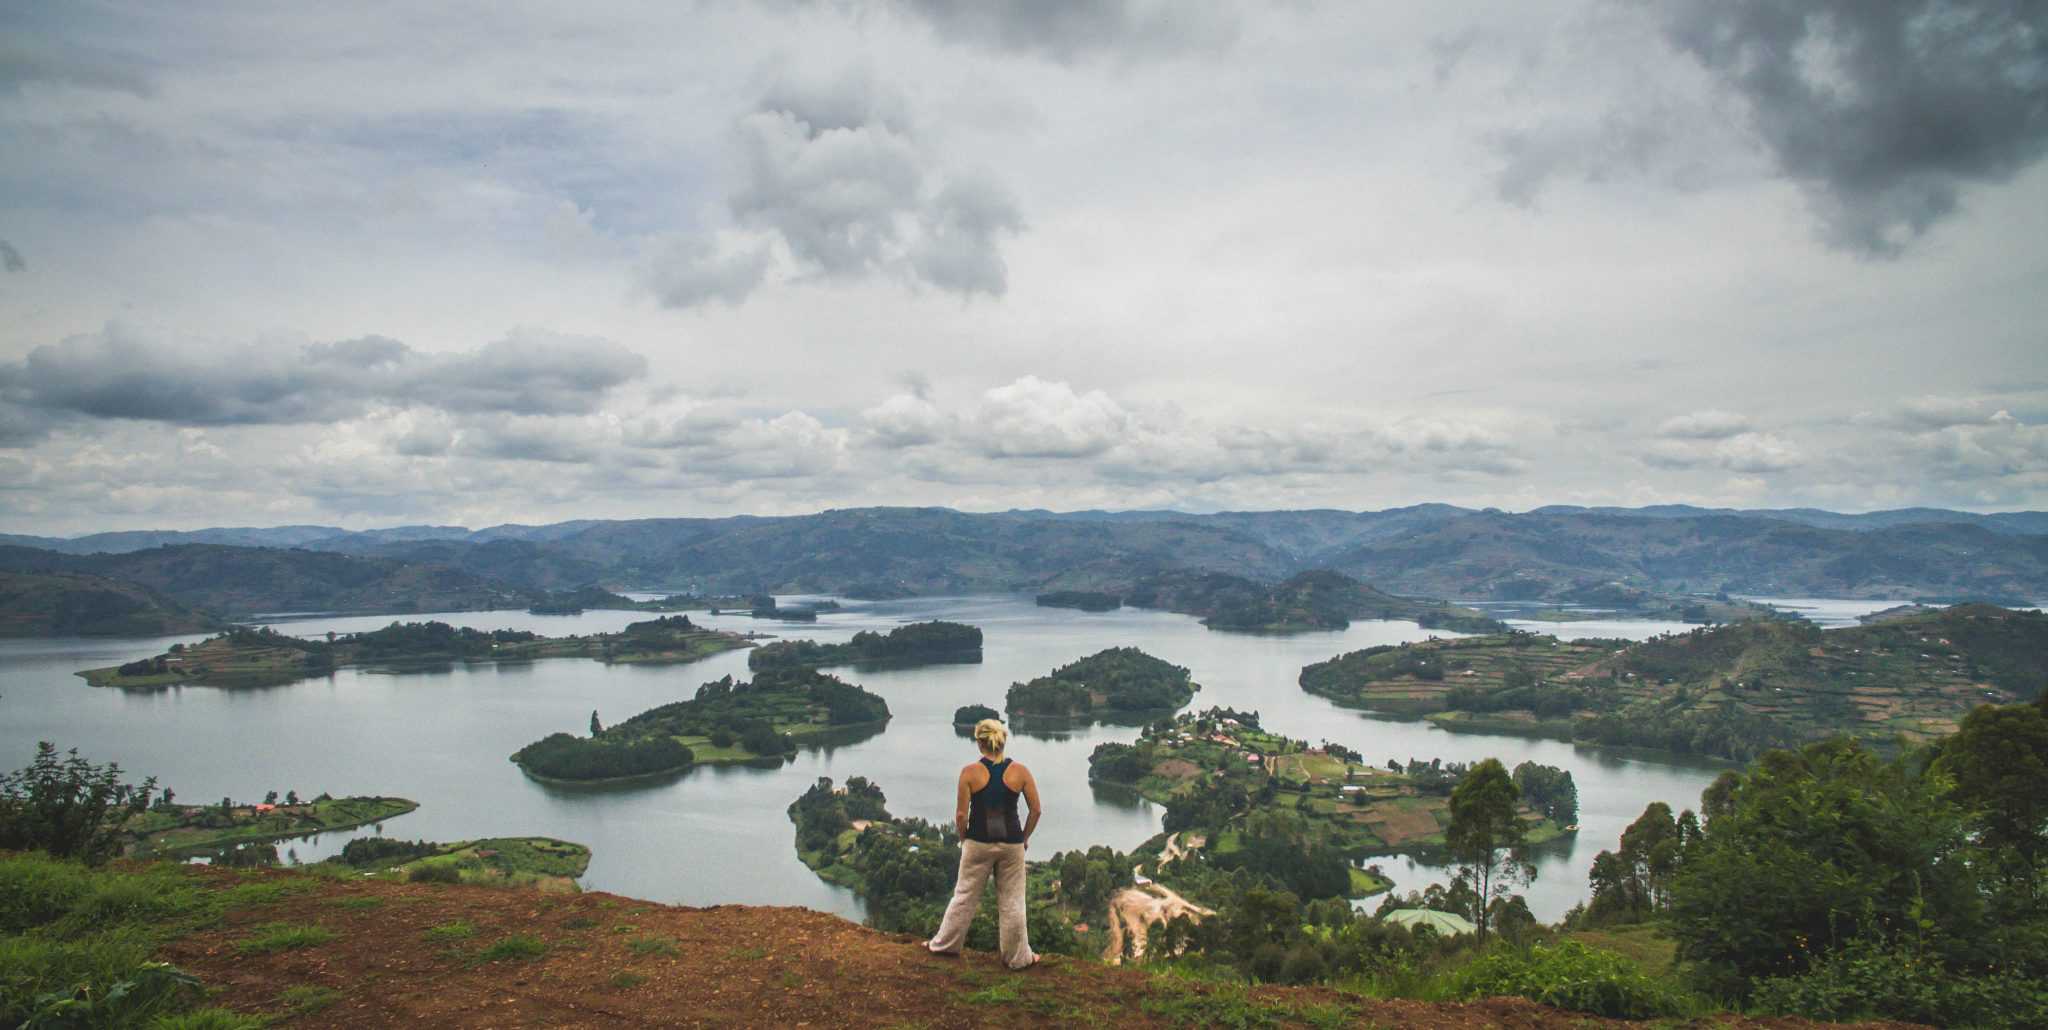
(992, 810)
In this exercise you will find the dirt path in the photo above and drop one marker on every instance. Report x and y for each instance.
(427, 956)
(1133, 911)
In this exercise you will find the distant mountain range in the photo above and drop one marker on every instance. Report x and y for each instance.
(1436, 551)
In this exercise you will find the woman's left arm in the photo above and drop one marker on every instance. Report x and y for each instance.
(961, 804)
(1031, 801)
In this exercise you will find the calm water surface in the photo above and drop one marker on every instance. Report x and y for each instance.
(721, 834)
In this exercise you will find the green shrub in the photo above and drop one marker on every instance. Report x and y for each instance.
(1869, 980)
(1569, 975)
(435, 872)
(68, 806)
(102, 980)
(455, 931)
(37, 889)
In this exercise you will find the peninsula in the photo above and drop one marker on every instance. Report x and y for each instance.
(1242, 797)
(176, 831)
(1729, 691)
(245, 657)
(726, 722)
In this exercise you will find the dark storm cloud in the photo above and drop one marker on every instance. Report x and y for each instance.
(117, 373)
(11, 259)
(1883, 111)
(1065, 30)
(32, 58)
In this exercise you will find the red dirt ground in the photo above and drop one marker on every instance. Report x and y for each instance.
(729, 966)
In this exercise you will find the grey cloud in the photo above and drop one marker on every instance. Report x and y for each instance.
(958, 249)
(1624, 142)
(117, 373)
(11, 258)
(693, 272)
(1882, 111)
(1704, 425)
(834, 172)
(1066, 30)
(30, 58)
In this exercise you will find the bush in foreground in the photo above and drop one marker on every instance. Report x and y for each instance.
(1570, 975)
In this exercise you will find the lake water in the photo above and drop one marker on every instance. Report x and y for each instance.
(720, 835)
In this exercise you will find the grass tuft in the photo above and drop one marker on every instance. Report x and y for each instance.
(458, 930)
(516, 948)
(275, 937)
(662, 946)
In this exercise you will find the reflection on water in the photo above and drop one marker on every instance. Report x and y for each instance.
(721, 834)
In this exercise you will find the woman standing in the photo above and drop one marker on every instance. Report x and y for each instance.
(991, 839)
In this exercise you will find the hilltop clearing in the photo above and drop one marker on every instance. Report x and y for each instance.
(1725, 691)
(70, 604)
(313, 951)
(726, 722)
(264, 657)
(920, 643)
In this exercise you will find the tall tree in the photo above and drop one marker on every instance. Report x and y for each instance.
(1998, 759)
(1485, 837)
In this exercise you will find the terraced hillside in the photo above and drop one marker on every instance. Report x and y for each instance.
(1726, 691)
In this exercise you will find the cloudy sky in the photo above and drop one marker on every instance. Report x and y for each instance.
(363, 264)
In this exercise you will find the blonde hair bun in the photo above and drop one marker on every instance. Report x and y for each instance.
(990, 735)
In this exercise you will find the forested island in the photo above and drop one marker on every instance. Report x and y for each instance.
(727, 721)
(1085, 600)
(1120, 681)
(245, 657)
(1310, 601)
(1730, 691)
(919, 643)
(968, 715)
(1304, 814)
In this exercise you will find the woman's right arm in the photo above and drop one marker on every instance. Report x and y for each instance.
(1031, 801)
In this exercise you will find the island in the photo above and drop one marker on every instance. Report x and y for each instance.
(1085, 600)
(1730, 691)
(1311, 601)
(919, 643)
(544, 863)
(245, 657)
(1238, 796)
(969, 715)
(172, 830)
(727, 721)
(1119, 681)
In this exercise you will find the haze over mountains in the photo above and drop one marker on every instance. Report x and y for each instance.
(1553, 554)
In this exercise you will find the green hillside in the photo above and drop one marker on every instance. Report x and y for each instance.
(65, 604)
